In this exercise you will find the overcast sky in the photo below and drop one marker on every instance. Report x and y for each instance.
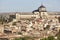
(28, 5)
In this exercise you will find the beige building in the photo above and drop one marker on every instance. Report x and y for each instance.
(1, 29)
(41, 12)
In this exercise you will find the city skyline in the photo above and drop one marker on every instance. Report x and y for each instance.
(28, 5)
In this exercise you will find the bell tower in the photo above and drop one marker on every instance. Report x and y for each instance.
(42, 11)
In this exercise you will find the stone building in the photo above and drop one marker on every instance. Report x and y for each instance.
(1, 29)
(41, 12)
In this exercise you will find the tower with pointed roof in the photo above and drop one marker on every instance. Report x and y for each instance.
(42, 8)
(42, 11)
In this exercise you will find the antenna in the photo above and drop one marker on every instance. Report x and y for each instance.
(41, 3)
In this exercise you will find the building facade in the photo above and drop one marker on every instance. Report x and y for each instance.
(39, 13)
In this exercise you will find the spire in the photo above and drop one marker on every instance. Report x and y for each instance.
(42, 8)
(41, 4)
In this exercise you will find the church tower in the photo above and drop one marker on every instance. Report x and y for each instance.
(42, 11)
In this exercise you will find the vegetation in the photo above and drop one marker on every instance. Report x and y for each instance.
(49, 38)
(2, 20)
(20, 33)
(52, 37)
(24, 38)
(47, 27)
(59, 19)
(10, 19)
(58, 35)
(14, 23)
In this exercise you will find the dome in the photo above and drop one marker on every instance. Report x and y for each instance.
(42, 6)
(36, 11)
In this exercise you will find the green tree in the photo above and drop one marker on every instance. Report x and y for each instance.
(18, 39)
(1, 19)
(59, 19)
(58, 35)
(49, 38)
(25, 38)
(14, 23)
(44, 39)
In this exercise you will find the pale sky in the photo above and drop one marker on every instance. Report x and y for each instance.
(28, 5)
